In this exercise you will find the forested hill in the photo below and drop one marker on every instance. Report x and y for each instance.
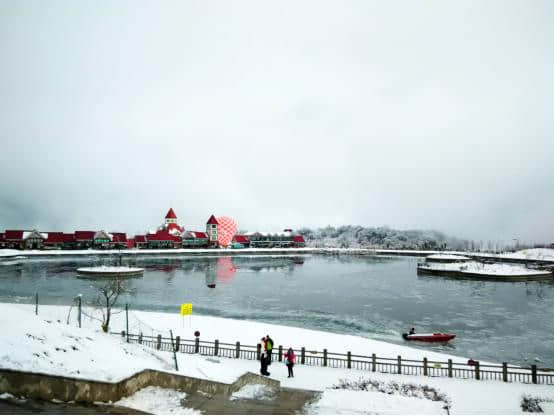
(352, 236)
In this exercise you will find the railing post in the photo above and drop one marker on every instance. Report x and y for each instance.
(177, 342)
(197, 345)
(127, 320)
(216, 347)
(258, 351)
(237, 350)
(349, 359)
(534, 374)
(505, 372)
(280, 353)
(325, 357)
(450, 367)
(36, 303)
(79, 317)
(373, 362)
(140, 338)
(399, 365)
(477, 371)
(159, 343)
(303, 356)
(425, 371)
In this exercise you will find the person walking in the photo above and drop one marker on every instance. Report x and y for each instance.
(289, 361)
(269, 348)
(263, 359)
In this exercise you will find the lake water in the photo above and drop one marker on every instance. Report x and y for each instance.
(374, 297)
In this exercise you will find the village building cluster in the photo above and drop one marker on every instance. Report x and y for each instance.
(169, 235)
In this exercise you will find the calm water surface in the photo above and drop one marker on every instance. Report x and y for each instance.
(374, 297)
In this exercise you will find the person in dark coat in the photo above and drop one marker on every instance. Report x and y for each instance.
(263, 364)
(412, 331)
(289, 361)
(269, 348)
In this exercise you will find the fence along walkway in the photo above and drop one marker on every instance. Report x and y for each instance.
(371, 363)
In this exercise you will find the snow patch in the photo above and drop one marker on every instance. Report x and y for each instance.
(254, 391)
(158, 400)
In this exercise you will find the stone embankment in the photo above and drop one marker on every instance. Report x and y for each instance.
(209, 397)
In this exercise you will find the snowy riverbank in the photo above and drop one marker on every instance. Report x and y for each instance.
(45, 343)
(538, 254)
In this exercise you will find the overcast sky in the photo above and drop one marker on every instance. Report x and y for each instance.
(428, 115)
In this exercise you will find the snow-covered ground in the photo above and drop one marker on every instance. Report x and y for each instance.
(532, 254)
(45, 343)
(157, 400)
(474, 267)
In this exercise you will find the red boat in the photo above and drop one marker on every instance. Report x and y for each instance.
(429, 337)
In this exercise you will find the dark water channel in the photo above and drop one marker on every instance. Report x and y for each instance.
(374, 297)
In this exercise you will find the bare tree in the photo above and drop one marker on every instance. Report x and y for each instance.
(109, 292)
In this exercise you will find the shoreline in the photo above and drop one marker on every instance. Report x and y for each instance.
(518, 257)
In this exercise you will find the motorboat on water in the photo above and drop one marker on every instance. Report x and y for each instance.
(438, 337)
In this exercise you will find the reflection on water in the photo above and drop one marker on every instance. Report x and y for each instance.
(378, 297)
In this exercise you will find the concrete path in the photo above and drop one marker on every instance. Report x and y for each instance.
(284, 401)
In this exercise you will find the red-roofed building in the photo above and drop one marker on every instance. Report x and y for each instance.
(298, 241)
(211, 230)
(140, 241)
(2, 241)
(130, 243)
(163, 239)
(22, 239)
(242, 240)
(119, 240)
(84, 239)
(171, 225)
(54, 240)
(194, 239)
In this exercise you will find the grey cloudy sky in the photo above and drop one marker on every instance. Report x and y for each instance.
(412, 114)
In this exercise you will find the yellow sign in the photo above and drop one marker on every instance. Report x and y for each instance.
(186, 309)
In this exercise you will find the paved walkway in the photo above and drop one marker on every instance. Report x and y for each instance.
(284, 401)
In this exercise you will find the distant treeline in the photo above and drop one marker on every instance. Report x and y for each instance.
(354, 236)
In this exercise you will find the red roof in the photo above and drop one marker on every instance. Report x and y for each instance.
(119, 237)
(54, 238)
(162, 235)
(140, 239)
(173, 226)
(212, 220)
(13, 235)
(171, 214)
(241, 239)
(298, 239)
(68, 237)
(197, 234)
(84, 235)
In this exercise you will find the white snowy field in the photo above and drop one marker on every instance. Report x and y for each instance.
(45, 343)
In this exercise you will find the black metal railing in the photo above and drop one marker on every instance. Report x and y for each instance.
(372, 363)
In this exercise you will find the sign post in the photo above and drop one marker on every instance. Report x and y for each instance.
(186, 309)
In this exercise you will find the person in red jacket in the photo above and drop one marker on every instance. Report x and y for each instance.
(289, 361)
